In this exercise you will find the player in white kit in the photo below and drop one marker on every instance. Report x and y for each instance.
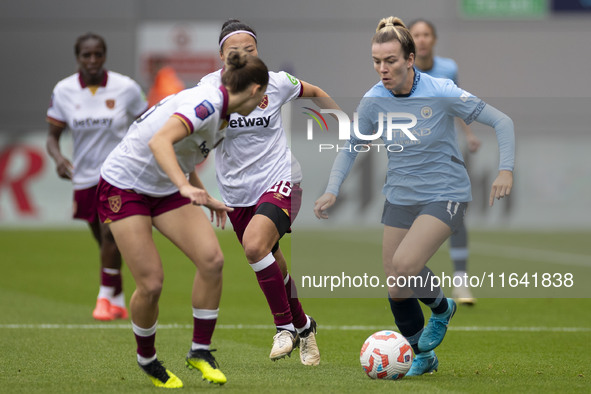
(260, 178)
(97, 106)
(149, 179)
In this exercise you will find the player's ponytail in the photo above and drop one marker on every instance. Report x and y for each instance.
(390, 22)
(243, 69)
(236, 59)
(393, 29)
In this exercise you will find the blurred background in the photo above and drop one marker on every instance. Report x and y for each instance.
(528, 58)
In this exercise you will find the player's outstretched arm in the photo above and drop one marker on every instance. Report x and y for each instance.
(505, 131)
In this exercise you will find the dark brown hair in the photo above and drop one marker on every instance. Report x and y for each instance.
(232, 25)
(243, 69)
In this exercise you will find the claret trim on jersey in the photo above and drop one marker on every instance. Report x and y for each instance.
(225, 104)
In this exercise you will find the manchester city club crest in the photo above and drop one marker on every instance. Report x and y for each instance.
(426, 112)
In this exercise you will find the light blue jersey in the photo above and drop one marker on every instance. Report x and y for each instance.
(431, 167)
(443, 67)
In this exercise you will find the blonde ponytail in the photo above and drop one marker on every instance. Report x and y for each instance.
(394, 29)
(390, 22)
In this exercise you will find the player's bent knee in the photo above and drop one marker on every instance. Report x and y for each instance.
(405, 267)
(217, 264)
(255, 251)
(212, 266)
(150, 289)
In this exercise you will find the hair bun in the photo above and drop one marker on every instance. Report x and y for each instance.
(390, 22)
(236, 59)
(398, 22)
(242, 69)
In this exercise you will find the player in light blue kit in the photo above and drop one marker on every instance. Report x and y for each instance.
(427, 185)
(424, 35)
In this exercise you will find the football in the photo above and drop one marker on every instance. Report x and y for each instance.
(386, 355)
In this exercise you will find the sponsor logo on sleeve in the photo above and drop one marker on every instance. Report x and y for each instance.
(204, 110)
(292, 79)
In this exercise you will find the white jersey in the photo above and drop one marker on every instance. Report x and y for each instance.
(254, 155)
(98, 120)
(131, 165)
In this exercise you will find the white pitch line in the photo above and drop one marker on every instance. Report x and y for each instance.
(101, 326)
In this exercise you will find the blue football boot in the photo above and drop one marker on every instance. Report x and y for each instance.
(436, 328)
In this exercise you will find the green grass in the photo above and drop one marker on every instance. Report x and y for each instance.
(50, 277)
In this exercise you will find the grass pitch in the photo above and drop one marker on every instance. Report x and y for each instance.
(49, 342)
